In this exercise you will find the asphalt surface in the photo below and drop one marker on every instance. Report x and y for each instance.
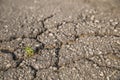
(71, 39)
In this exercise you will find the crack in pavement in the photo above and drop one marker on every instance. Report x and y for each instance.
(16, 60)
(92, 62)
(35, 71)
(56, 64)
(58, 45)
(109, 67)
(9, 52)
(48, 17)
(35, 37)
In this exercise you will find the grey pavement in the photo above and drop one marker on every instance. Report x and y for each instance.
(71, 39)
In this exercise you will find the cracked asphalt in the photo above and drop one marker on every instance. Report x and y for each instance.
(72, 39)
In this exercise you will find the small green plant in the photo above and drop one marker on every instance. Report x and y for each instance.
(29, 51)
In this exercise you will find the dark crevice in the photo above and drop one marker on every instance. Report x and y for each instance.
(57, 50)
(65, 22)
(58, 25)
(14, 57)
(33, 37)
(18, 62)
(57, 58)
(116, 35)
(48, 17)
(9, 52)
(97, 34)
(40, 47)
(35, 71)
(92, 62)
(1, 41)
(43, 31)
(109, 67)
(12, 38)
(43, 23)
(117, 25)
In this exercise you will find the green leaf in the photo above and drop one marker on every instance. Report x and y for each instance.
(29, 51)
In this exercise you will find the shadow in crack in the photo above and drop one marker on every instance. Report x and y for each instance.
(9, 52)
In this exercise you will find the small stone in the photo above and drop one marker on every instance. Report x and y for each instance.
(97, 21)
(6, 26)
(115, 30)
(111, 20)
(50, 34)
(8, 65)
(99, 52)
(36, 67)
(92, 17)
(101, 74)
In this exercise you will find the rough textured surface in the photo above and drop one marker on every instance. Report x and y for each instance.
(71, 39)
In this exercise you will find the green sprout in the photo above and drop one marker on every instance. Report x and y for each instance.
(29, 51)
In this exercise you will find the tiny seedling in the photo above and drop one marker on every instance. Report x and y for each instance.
(29, 51)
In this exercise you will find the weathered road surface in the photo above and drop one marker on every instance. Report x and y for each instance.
(73, 39)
